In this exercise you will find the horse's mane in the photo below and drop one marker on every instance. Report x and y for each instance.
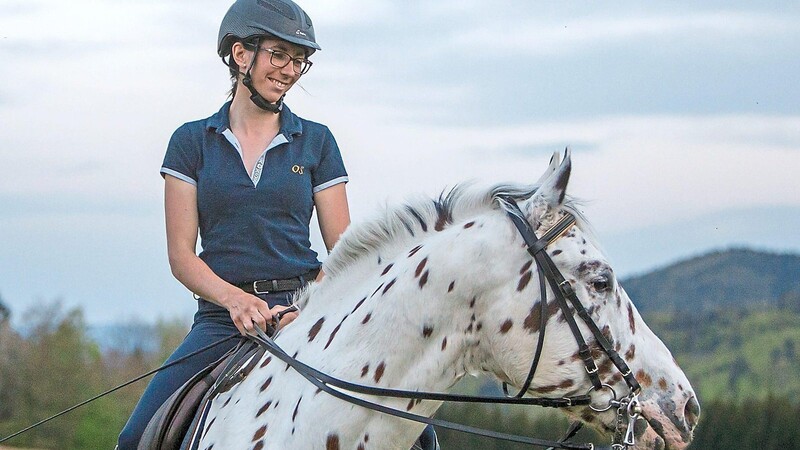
(406, 222)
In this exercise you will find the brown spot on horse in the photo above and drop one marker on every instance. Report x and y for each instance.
(643, 378)
(266, 384)
(312, 333)
(296, 407)
(391, 283)
(631, 321)
(332, 443)
(631, 352)
(427, 331)
(414, 251)
(423, 280)
(524, 280)
(358, 305)
(259, 433)
(379, 372)
(364, 370)
(533, 320)
(333, 333)
(506, 326)
(420, 266)
(264, 408)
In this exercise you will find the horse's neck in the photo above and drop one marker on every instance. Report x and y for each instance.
(418, 311)
(414, 315)
(413, 322)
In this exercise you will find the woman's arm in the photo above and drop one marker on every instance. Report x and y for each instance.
(180, 204)
(333, 215)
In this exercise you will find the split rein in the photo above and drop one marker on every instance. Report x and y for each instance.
(627, 407)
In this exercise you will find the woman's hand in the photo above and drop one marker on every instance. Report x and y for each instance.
(247, 311)
(287, 317)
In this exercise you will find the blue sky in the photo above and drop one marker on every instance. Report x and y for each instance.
(683, 119)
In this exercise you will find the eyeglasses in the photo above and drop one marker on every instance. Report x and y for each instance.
(282, 59)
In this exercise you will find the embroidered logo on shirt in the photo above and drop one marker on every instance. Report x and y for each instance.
(298, 169)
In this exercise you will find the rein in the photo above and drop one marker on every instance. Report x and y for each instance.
(627, 407)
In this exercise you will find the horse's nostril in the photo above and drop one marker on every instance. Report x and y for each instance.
(692, 412)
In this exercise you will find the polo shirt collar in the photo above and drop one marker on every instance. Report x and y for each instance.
(290, 124)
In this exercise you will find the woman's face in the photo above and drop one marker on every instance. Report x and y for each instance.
(270, 81)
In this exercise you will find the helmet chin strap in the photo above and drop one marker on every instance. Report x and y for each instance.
(255, 97)
(260, 101)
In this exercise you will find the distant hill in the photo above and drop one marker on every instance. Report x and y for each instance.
(736, 278)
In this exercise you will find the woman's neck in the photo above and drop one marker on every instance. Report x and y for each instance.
(247, 118)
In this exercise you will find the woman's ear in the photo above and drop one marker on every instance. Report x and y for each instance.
(241, 56)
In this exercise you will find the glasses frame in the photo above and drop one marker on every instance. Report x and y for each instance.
(305, 65)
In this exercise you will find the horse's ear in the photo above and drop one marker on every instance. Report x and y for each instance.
(554, 161)
(554, 187)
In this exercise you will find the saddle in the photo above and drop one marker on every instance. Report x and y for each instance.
(182, 413)
(175, 424)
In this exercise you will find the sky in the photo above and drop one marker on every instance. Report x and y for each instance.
(682, 117)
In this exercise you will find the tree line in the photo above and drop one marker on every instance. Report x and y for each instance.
(53, 364)
(766, 424)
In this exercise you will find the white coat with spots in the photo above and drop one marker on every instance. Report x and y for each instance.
(433, 290)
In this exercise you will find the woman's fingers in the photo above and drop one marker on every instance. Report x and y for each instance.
(248, 312)
(288, 318)
(286, 314)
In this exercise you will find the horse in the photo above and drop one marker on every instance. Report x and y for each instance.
(434, 289)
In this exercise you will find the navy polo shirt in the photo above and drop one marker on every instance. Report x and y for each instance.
(255, 226)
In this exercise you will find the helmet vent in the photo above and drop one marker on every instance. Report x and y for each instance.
(279, 7)
(308, 20)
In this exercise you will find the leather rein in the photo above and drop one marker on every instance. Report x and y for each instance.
(628, 408)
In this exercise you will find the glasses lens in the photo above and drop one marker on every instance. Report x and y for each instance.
(279, 59)
(301, 66)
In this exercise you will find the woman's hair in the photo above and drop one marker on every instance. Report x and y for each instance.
(233, 69)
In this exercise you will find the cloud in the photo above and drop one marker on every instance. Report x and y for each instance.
(674, 112)
(569, 34)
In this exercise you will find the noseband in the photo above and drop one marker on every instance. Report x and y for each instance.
(627, 406)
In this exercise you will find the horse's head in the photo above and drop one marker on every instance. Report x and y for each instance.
(669, 405)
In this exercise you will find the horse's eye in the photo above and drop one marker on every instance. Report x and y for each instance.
(602, 283)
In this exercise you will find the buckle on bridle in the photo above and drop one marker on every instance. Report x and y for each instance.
(566, 288)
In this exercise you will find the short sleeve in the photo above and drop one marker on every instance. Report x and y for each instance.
(182, 158)
(330, 170)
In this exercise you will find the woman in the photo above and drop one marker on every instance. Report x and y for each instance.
(247, 178)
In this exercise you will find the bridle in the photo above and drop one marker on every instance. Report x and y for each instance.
(628, 408)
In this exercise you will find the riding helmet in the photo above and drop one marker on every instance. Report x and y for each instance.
(280, 18)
